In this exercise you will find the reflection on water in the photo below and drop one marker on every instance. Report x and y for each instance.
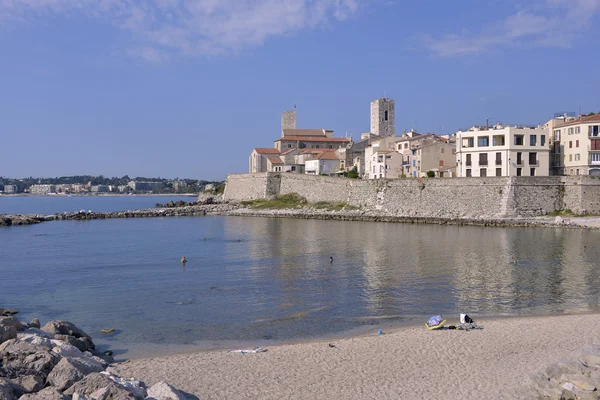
(271, 279)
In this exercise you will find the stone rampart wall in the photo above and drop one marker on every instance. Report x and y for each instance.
(432, 198)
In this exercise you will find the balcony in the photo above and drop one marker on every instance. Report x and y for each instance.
(482, 163)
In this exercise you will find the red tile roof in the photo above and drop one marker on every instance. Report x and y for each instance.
(266, 150)
(275, 160)
(313, 139)
(327, 155)
(288, 151)
(583, 120)
(304, 132)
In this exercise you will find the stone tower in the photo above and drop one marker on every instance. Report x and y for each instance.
(382, 117)
(288, 120)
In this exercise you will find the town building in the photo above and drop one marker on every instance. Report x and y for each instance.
(11, 189)
(325, 163)
(379, 160)
(576, 146)
(258, 161)
(434, 154)
(503, 151)
(145, 186)
(100, 189)
(407, 145)
(42, 189)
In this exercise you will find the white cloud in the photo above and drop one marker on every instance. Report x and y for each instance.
(165, 28)
(553, 23)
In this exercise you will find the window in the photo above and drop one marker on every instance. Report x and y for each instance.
(483, 172)
(519, 171)
(293, 168)
(577, 143)
(498, 158)
(518, 140)
(483, 141)
(468, 163)
(542, 140)
(594, 130)
(519, 158)
(577, 129)
(442, 150)
(330, 146)
(532, 158)
(469, 172)
(317, 146)
(577, 157)
(468, 142)
(570, 144)
(441, 163)
(483, 159)
(289, 146)
(570, 131)
(373, 169)
(532, 140)
(532, 172)
(557, 134)
(499, 140)
(577, 171)
(570, 157)
(386, 115)
(498, 171)
(595, 157)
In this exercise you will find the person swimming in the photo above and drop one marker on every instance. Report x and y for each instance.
(330, 260)
(183, 260)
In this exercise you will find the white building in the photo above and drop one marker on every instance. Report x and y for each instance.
(384, 164)
(503, 151)
(42, 189)
(326, 163)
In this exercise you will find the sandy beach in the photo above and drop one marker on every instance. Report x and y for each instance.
(406, 363)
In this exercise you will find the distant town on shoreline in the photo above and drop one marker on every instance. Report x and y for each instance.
(88, 184)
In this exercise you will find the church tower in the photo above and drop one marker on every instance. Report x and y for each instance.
(382, 117)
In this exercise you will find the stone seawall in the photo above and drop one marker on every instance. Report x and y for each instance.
(488, 197)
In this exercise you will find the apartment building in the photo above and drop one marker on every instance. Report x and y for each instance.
(436, 155)
(502, 151)
(381, 161)
(576, 146)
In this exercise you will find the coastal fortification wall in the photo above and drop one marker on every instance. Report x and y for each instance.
(437, 198)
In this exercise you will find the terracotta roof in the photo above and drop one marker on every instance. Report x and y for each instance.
(584, 120)
(275, 160)
(304, 132)
(327, 155)
(313, 139)
(288, 151)
(266, 150)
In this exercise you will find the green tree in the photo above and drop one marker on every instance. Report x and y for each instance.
(430, 174)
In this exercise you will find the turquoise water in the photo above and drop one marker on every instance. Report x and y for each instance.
(256, 279)
(59, 204)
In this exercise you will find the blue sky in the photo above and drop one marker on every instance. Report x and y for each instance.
(183, 88)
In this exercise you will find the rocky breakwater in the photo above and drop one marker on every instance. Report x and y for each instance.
(193, 210)
(58, 362)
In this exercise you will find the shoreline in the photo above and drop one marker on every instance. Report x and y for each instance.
(234, 209)
(406, 362)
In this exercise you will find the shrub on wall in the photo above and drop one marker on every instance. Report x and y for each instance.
(430, 174)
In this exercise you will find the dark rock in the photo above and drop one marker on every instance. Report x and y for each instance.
(35, 323)
(7, 333)
(95, 381)
(22, 358)
(26, 384)
(11, 320)
(67, 328)
(6, 391)
(82, 343)
(49, 393)
(6, 311)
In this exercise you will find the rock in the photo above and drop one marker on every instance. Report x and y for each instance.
(582, 382)
(49, 393)
(7, 333)
(24, 358)
(67, 328)
(11, 321)
(6, 391)
(7, 311)
(38, 332)
(558, 220)
(83, 344)
(163, 391)
(37, 340)
(137, 388)
(35, 323)
(566, 394)
(95, 381)
(77, 396)
(26, 384)
(71, 370)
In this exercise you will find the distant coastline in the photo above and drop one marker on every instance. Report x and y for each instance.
(100, 195)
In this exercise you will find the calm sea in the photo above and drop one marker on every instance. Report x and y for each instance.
(59, 204)
(267, 280)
